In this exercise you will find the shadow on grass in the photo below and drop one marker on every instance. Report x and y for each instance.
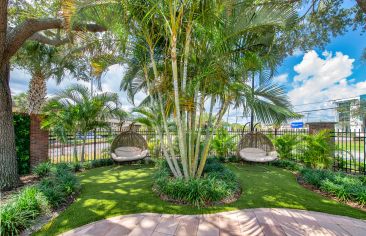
(121, 190)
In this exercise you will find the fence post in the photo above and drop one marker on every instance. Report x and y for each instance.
(95, 144)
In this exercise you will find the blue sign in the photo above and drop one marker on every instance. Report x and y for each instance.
(297, 125)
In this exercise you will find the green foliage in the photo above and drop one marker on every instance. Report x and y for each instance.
(22, 141)
(343, 186)
(287, 164)
(20, 212)
(317, 150)
(74, 110)
(59, 185)
(101, 162)
(223, 142)
(21, 103)
(218, 183)
(42, 169)
(285, 145)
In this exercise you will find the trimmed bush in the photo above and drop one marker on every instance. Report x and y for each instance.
(20, 212)
(43, 169)
(59, 185)
(285, 145)
(343, 186)
(22, 141)
(217, 184)
(287, 164)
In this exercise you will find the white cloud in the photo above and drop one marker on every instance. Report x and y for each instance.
(280, 79)
(297, 52)
(322, 79)
(19, 81)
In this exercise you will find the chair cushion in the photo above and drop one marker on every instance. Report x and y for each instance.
(127, 151)
(128, 154)
(257, 155)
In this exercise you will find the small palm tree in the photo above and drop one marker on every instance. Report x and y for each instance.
(75, 110)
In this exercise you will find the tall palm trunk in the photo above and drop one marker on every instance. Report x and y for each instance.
(37, 92)
(83, 149)
(75, 149)
(178, 120)
(165, 153)
(209, 139)
(165, 123)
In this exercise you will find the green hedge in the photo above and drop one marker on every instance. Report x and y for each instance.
(22, 142)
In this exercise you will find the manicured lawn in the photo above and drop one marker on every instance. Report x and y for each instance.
(118, 190)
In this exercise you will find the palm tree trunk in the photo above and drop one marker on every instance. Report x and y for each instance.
(165, 153)
(83, 149)
(37, 92)
(198, 139)
(208, 142)
(75, 149)
(165, 123)
(178, 119)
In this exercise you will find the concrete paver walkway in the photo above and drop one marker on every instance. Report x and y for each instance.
(261, 221)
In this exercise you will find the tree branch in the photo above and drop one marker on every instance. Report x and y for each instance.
(28, 28)
(362, 5)
(51, 41)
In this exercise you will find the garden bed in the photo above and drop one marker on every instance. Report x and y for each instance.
(218, 186)
(328, 195)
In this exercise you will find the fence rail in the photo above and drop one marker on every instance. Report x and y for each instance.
(349, 146)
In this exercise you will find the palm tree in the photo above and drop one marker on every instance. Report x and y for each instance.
(42, 62)
(190, 53)
(74, 110)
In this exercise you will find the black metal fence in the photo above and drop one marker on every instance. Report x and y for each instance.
(349, 146)
(349, 152)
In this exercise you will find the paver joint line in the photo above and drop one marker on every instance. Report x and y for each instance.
(260, 221)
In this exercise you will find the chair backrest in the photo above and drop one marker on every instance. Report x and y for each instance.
(129, 139)
(256, 140)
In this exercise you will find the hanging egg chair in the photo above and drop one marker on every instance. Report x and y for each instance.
(256, 147)
(129, 146)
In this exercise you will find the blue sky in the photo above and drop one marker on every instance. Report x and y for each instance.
(318, 75)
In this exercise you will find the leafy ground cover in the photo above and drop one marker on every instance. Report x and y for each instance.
(119, 190)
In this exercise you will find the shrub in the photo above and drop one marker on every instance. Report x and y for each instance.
(287, 164)
(285, 145)
(317, 150)
(223, 142)
(59, 185)
(22, 141)
(343, 186)
(42, 169)
(101, 162)
(315, 177)
(217, 183)
(20, 212)
(76, 166)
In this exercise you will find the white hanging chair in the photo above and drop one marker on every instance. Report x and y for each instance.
(129, 146)
(256, 147)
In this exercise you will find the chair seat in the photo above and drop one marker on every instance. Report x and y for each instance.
(257, 155)
(128, 154)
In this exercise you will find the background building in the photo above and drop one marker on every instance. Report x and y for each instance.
(351, 113)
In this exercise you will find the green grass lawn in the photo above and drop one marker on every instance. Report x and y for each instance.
(119, 190)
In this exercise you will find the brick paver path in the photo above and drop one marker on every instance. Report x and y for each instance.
(260, 221)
